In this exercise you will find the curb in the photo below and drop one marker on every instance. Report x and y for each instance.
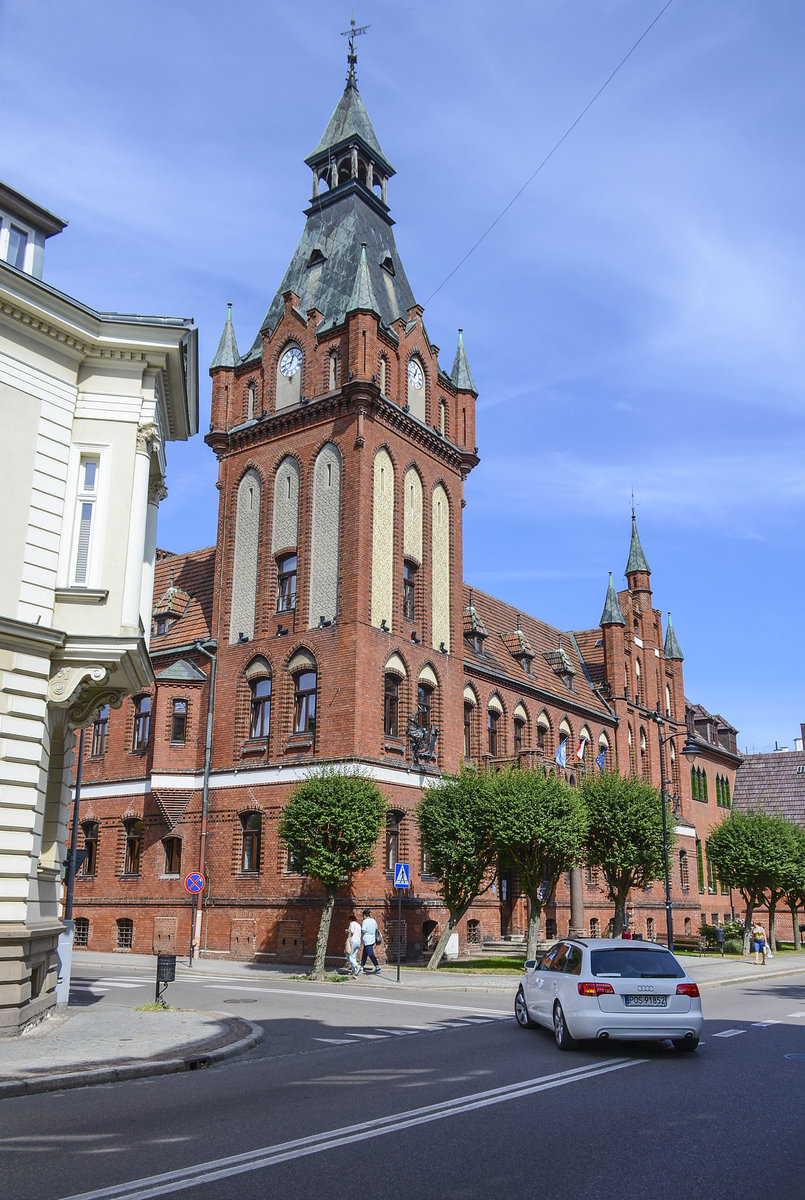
(196, 1060)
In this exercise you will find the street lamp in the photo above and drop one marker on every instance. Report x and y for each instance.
(209, 649)
(690, 749)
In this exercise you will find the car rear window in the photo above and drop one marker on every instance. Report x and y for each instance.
(623, 962)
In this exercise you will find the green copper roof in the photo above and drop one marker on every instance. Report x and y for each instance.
(227, 353)
(362, 298)
(637, 559)
(612, 614)
(461, 374)
(349, 121)
(672, 650)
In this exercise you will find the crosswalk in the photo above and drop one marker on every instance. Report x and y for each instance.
(378, 1034)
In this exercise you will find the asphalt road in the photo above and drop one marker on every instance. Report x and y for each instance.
(356, 1090)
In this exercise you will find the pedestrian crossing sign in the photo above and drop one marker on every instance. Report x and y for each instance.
(401, 875)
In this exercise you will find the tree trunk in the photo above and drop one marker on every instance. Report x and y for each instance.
(750, 913)
(619, 919)
(324, 934)
(534, 919)
(452, 922)
(795, 926)
(772, 926)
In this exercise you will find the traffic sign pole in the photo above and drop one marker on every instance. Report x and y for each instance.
(401, 880)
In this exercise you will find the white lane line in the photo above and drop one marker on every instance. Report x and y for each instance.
(763, 1024)
(336, 1041)
(106, 983)
(352, 997)
(729, 1033)
(799, 1014)
(254, 1160)
(372, 1037)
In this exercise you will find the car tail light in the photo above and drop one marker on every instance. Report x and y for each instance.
(596, 989)
(687, 989)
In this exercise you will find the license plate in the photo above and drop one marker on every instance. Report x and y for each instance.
(645, 1001)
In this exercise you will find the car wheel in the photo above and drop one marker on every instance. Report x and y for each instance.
(560, 1031)
(685, 1043)
(521, 1011)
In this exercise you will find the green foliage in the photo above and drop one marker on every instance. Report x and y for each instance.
(331, 824)
(540, 824)
(757, 853)
(456, 827)
(624, 838)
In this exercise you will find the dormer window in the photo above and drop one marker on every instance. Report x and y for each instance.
(388, 265)
(14, 245)
(316, 258)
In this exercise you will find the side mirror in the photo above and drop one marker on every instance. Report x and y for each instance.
(529, 964)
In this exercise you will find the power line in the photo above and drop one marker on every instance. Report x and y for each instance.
(550, 153)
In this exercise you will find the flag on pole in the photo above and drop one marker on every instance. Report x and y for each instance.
(561, 753)
(599, 759)
(580, 749)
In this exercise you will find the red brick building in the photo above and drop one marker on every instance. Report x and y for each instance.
(336, 604)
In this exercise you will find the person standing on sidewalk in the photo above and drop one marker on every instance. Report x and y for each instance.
(371, 936)
(759, 942)
(353, 944)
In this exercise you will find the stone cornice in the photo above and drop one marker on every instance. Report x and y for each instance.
(23, 636)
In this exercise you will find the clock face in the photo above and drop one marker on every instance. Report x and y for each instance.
(415, 376)
(291, 361)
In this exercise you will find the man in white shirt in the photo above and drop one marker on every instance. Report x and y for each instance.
(370, 934)
(354, 939)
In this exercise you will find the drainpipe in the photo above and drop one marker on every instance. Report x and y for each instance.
(204, 648)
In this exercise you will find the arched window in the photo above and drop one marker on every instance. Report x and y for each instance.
(142, 723)
(443, 417)
(440, 570)
(632, 764)
(393, 824)
(100, 731)
(333, 372)
(90, 831)
(81, 933)
(543, 730)
(684, 872)
(173, 856)
(424, 699)
(325, 538)
(594, 927)
(383, 375)
(470, 705)
(304, 701)
(643, 754)
(251, 835)
(251, 401)
(286, 582)
(133, 828)
(289, 376)
(260, 708)
(125, 934)
(494, 712)
(474, 933)
(383, 496)
(667, 699)
(391, 706)
(650, 932)
(605, 763)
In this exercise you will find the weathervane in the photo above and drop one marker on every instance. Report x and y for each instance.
(353, 32)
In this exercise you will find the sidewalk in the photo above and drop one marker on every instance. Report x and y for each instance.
(128, 1045)
(77, 1046)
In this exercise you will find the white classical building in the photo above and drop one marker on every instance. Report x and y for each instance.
(88, 401)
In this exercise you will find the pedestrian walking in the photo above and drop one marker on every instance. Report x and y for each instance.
(353, 945)
(370, 935)
(759, 942)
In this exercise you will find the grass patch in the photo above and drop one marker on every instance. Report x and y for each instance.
(156, 1006)
(328, 977)
(503, 965)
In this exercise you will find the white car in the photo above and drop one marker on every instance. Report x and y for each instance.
(606, 988)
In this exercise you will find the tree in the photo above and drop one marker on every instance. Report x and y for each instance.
(624, 836)
(330, 826)
(754, 852)
(540, 824)
(795, 884)
(456, 829)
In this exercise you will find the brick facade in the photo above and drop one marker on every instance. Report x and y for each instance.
(501, 685)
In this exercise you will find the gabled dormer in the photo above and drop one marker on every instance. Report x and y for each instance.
(475, 632)
(24, 228)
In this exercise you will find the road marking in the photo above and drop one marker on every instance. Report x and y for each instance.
(799, 1014)
(729, 1033)
(371, 1037)
(353, 996)
(763, 1024)
(336, 1041)
(267, 1156)
(89, 983)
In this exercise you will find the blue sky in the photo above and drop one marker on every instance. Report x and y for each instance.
(634, 321)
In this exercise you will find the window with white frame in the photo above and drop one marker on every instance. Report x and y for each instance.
(14, 242)
(86, 517)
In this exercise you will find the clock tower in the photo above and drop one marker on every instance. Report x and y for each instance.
(343, 446)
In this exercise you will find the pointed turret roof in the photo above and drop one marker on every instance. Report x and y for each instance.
(349, 121)
(637, 559)
(362, 298)
(612, 614)
(461, 374)
(227, 353)
(672, 650)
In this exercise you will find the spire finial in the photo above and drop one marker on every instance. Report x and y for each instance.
(352, 58)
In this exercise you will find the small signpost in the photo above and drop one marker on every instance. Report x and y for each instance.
(195, 882)
(402, 879)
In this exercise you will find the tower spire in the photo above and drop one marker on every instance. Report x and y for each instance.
(612, 614)
(352, 58)
(637, 559)
(672, 649)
